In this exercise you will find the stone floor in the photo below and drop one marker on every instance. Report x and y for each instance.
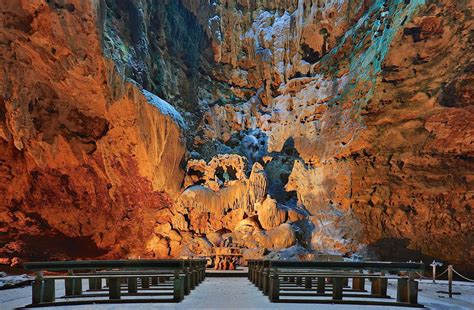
(239, 293)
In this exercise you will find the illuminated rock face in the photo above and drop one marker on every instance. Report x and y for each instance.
(339, 126)
(87, 160)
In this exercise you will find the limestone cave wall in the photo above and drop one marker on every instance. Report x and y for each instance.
(159, 128)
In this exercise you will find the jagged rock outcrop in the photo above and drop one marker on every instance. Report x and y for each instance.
(84, 155)
(334, 126)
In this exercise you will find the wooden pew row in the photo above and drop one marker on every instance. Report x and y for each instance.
(137, 276)
(305, 279)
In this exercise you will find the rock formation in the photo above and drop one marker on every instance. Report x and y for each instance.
(161, 128)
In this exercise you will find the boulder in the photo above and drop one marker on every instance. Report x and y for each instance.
(269, 215)
(276, 238)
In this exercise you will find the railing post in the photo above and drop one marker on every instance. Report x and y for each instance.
(435, 264)
(450, 281)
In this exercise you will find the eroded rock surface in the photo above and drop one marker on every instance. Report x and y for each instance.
(333, 126)
(84, 155)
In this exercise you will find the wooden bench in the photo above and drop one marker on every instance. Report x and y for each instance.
(180, 276)
(285, 278)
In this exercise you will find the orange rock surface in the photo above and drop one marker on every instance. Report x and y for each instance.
(152, 129)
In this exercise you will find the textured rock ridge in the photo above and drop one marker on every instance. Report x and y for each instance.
(335, 126)
(84, 155)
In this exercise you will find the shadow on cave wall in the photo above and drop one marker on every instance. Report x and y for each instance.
(397, 250)
(59, 246)
(162, 46)
(51, 244)
(393, 249)
(279, 170)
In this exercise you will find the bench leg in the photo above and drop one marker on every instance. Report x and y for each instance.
(402, 290)
(413, 292)
(154, 280)
(379, 287)
(345, 282)
(49, 290)
(95, 283)
(274, 288)
(407, 291)
(92, 284)
(187, 283)
(321, 286)
(161, 279)
(115, 288)
(337, 288)
(299, 281)
(194, 279)
(132, 285)
(358, 284)
(292, 279)
(37, 291)
(260, 280)
(178, 289)
(73, 287)
(77, 289)
(69, 285)
(308, 282)
(145, 282)
(266, 284)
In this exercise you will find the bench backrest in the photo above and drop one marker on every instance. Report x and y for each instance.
(105, 264)
(371, 266)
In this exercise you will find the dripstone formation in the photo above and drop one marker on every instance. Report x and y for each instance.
(142, 128)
